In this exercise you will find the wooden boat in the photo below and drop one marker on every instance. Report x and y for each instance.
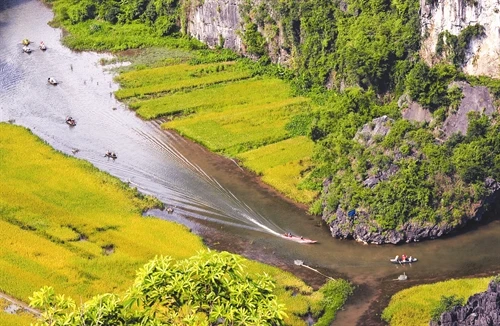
(26, 41)
(26, 49)
(52, 81)
(110, 155)
(71, 121)
(408, 260)
(42, 46)
(298, 239)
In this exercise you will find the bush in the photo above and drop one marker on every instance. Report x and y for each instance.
(446, 303)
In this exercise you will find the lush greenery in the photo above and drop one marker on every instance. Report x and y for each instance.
(207, 289)
(367, 49)
(68, 225)
(446, 303)
(416, 305)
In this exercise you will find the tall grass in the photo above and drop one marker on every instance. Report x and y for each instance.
(413, 306)
(59, 214)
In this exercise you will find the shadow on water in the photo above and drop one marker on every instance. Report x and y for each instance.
(230, 208)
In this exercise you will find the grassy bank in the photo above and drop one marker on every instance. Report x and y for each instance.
(68, 225)
(413, 306)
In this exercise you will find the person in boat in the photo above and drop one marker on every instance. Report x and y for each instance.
(403, 257)
(410, 259)
(301, 238)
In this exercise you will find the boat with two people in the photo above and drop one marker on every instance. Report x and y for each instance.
(52, 81)
(403, 260)
(70, 121)
(298, 239)
(42, 46)
(111, 155)
(26, 49)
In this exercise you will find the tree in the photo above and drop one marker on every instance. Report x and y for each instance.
(207, 289)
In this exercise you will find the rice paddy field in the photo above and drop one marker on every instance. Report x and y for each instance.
(14, 318)
(68, 225)
(222, 107)
(413, 306)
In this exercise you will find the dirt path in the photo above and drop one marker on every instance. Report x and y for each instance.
(19, 303)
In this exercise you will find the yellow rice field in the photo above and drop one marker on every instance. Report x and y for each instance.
(413, 306)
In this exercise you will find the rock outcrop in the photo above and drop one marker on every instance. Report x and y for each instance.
(482, 309)
(216, 23)
(476, 99)
(483, 54)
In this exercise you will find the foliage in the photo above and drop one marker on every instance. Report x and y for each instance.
(207, 289)
(446, 303)
(335, 294)
(454, 47)
(413, 306)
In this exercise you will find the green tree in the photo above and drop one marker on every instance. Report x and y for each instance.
(207, 289)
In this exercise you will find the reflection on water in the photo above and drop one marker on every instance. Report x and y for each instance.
(205, 190)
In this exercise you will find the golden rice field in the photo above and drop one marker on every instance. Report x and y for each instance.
(282, 161)
(220, 107)
(68, 225)
(413, 306)
(139, 83)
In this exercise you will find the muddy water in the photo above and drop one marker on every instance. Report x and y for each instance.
(210, 194)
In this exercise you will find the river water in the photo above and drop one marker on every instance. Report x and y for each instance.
(212, 195)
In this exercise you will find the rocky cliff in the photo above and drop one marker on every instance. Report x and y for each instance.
(216, 23)
(482, 309)
(482, 55)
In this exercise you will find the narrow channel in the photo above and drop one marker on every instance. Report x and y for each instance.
(211, 195)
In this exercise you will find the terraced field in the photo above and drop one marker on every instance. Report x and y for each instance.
(225, 109)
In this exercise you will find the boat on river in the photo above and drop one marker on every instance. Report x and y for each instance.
(26, 49)
(42, 46)
(52, 81)
(26, 41)
(295, 238)
(70, 121)
(110, 155)
(408, 260)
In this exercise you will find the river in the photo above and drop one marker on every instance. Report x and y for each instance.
(213, 196)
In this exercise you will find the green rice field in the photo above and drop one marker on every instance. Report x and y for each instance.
(226, 110)
(68, 225)
(413, 306)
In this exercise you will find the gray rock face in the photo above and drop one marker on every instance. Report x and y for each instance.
(214, 21)
(476, 99)
(454, 15)
(482, 309)
(379, 127)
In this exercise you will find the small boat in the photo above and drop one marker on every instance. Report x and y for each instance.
(26, 41)
(295, 238)
(402, 277)
(408, 260)
(71, 121)
(26, 49)
(110, 155)
(42, 46)
(52, 81)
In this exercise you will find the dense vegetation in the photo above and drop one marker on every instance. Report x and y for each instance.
(419, 304)
(70, 226)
